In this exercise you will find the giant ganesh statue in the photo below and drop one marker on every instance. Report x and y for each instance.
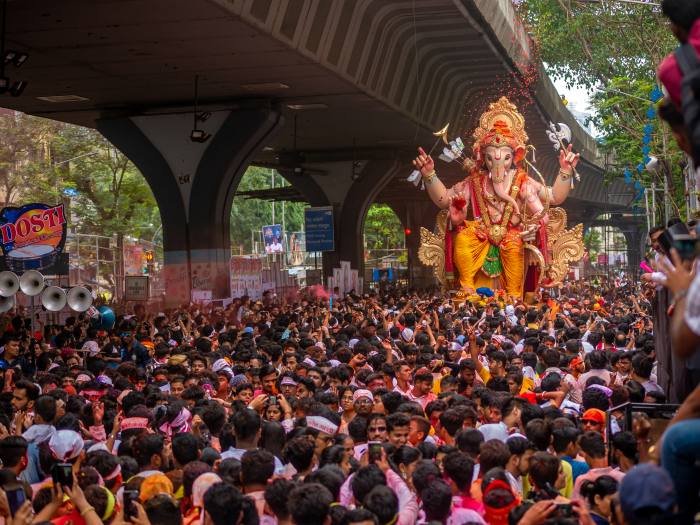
(496, 229)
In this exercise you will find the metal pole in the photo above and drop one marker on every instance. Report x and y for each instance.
(646, 207)
(653, 203)
(33, 337)
(272, 181)
(77, 240)
(97, 261)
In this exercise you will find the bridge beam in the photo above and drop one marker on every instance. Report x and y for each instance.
(194, 185)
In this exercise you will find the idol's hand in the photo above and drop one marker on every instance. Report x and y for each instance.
(458, 208)
(529, 234)
(568, 160)
(424, 162)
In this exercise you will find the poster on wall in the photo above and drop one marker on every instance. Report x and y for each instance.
(32, 238)
(354, 283)
(338, 281)
(345, 277)
(296, 246)
(272, 236)
(133, 259)
(246, 278)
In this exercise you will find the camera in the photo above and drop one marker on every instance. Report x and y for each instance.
(679, 237)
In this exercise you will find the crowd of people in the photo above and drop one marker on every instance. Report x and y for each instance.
(395, 408)
(400, 407)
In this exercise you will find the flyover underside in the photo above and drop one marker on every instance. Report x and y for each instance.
(349, 80)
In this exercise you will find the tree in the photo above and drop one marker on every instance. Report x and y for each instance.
(250, 215)
(110, 195)
(381, 225)
(593, 241)
(616, 47)
(24, 156)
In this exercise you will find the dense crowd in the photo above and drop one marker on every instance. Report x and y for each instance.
(398, 407)
(392, 408)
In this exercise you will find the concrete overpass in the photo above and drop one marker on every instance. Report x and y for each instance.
(335, 94)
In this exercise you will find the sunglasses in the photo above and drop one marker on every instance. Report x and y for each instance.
(126, 335)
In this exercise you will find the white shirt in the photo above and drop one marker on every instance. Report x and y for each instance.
(237, 453)
(692, 306)
(497, 431)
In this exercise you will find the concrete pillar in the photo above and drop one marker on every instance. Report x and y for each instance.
(194, 185)
(417, 215)
(351, 199)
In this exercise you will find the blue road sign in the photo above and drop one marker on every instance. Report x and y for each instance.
(319, 229)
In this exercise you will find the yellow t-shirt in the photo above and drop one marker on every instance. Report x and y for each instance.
(528, 385)
(485, 374)
(565, 492)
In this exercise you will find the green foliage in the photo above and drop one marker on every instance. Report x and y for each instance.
(619, 47)
(593, 241)
(38, 164)
(383, 231)
(248, 215)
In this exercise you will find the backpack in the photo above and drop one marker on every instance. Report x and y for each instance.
(689, 64)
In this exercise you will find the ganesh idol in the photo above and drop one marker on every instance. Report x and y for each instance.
(498, 210)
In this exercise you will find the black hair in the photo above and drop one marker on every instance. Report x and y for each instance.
(602, 486)
(185, 449)
(365, 479)
(277, 496)
(12, 450)
(383, 503)
(459, 467)
(312, 502)
(257, 466)
(224, 503)
(162, 509)
(683, 13)
(330, 476)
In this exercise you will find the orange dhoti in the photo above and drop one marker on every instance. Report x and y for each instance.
(470, 250)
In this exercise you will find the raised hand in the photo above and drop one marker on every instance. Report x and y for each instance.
(568, 160)
(424, 163)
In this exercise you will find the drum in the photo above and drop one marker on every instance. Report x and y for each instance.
(34, 257)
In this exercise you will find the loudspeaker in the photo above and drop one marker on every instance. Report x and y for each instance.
(6, 303)
(79, 298)
(104, 320)
(31, 282)
(9, 284)
(53, 298)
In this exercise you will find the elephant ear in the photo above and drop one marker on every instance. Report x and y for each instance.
(518, 154)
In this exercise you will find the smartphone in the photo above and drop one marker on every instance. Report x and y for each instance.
(15, 498)
(62, 473)
(566, 510)
(375, 451)
(272, 400)
(686, 245)
(129, 508)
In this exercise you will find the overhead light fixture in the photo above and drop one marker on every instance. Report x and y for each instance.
(15, 57)
(307, 106)
(199, 136)
(264, 86)
(17, 88)
(63, 98)
(9, 56)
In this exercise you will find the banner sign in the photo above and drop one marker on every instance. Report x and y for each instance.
(272, 236)
(32, 238)
(318, 224)
(133, 259)
(136, 288)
